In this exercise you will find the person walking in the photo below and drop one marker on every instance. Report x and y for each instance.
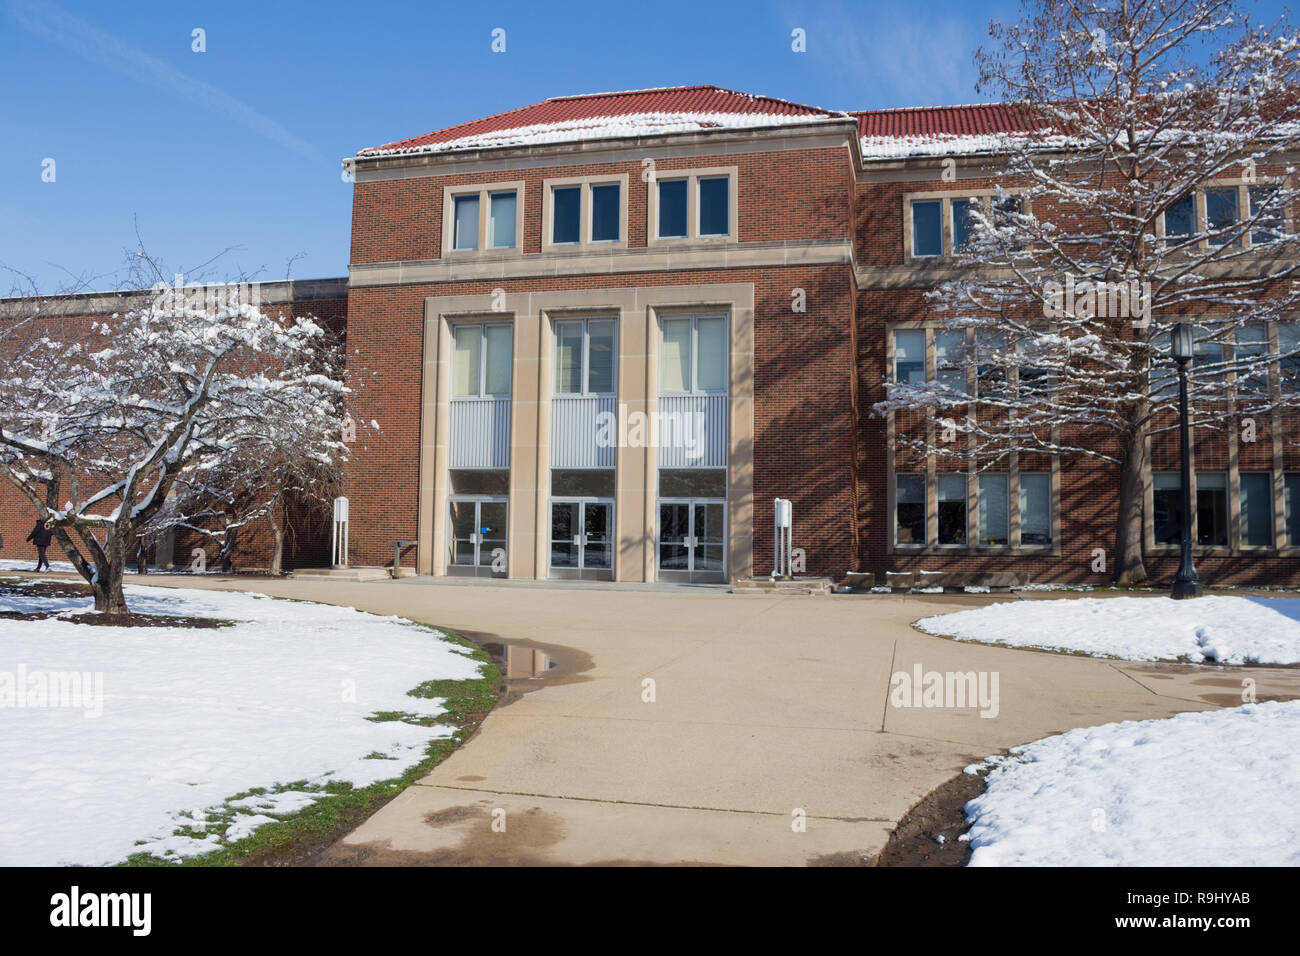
(41, 536)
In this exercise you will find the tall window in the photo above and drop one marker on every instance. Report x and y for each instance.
(1250, 353)
(606, 206)
(1220, 212)
(952, 509)
(927, 227)
(693, 356)
(1269, 227)
(566, 215)
(1180, 217)
(584, 357)
(962, 222)
(1035, 508)
(481, 360)
(1212, 508)
(1291, 508)
(991, 363)
(994, 521)
(466, 228)
(909, 356)
(715, 206)
(501, 221)
(672, 208)
(910, 508)
(1257, 509)
(1167, 507)
(950, 358)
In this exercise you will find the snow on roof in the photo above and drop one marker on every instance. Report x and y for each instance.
(612, 115)
(885, 134)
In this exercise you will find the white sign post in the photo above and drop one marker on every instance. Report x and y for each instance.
(782, 540)
(339, 538)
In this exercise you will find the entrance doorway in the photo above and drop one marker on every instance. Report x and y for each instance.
(692, 540)
(477, 538)
(582, 538)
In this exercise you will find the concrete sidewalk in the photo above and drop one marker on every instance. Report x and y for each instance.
(764, 709)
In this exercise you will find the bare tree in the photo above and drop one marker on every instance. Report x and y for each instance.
(1108, 228)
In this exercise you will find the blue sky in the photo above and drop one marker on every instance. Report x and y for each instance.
(238, 147)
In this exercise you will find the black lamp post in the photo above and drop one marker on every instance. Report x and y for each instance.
(1186, 584)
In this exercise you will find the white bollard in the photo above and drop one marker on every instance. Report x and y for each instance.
(783, 514)
(339, 537)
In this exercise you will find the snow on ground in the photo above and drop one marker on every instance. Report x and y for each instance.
(191, 717)
(1225, 630)
(1216, 788)
(20, 564)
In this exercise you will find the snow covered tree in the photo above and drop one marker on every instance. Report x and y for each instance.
(1157, 189)
(100, 420)
(290, 467)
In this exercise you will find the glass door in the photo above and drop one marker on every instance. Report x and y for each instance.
(693, 540)
(582, 539)
(477, 537)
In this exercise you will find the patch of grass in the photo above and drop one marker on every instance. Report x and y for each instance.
(342, 806)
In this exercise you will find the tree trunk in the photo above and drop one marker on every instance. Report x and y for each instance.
(227, 549)
(107, 585)
(1129, 569)
(277, 555)
(277, 532)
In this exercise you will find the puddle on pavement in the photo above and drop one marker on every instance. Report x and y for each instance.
(527, 666)
(520, 662)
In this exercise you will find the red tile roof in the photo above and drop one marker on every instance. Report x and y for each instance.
(981, 119)
(563, 109)
(655, 109)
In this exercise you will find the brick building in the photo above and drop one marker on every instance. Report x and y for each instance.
(599, 335)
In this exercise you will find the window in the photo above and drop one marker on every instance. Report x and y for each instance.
(1220, 212)
(1035, 508)
(991, 368)
(993, 514)
(584, 357)
(950, 358)
(1180, 217)
(566, 215)
(606, 212)
(1250, 354)
(1288, 350)
(693, 204)
(1212, 508)
(1167, 507)
(693, 356)
(1257, 509)
(715, 195)
(910, 509)
(1207, 357)
(1031, 376)
(501, 222)
(484, 218)
(672, 208)
(909, 356)
(927, 228)
(466, 236)
(1291, 508)
(481, 360)
(962, 223)
(952, 509)
(1264, 204)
